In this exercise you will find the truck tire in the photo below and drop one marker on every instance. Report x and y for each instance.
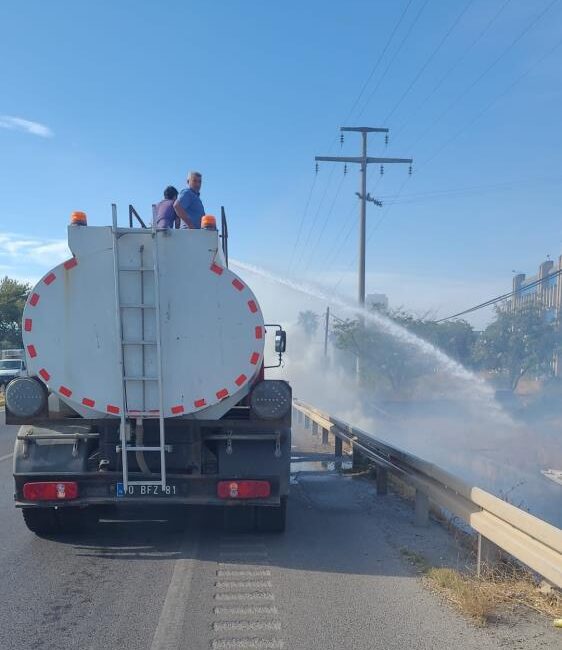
(272, 520)
(41, 521)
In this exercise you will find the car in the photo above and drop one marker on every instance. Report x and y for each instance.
(10, 369)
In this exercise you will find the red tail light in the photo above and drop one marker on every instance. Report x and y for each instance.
(50, 491)
(243, 489)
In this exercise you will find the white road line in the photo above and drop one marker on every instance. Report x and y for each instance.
(243, 584)
(248, 644)
(256, 610)
(237, 573)
(247, 626)
(248, 595)
(168, 634)
(6, 457)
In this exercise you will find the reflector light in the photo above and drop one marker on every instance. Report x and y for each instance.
(243, 489)
(50, 491)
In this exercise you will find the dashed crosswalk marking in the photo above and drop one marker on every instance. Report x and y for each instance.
(245, 616)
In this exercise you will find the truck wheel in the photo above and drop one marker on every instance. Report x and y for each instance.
(272, 520)
(41, 521)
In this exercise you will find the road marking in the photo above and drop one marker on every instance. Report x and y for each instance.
(256, 610)
(236, 573)
(169, 630)
(248, 644)
(245, 626)
(6, 457)
(248, 595)
(243, 584)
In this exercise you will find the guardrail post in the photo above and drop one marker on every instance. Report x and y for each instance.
(421, 509)
(324, 436)
(488, 554)
(338, 452)
(358, 459)
(382, 481)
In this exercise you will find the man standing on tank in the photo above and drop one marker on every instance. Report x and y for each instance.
(188, 205)
(164, 213)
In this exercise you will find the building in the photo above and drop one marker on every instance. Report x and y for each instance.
(544, 287)
(376, 301)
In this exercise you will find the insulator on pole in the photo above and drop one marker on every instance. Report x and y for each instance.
(382, 170)
(410, 170)
(316, 168)
(386, 139)
(345, 169)
(341, 139)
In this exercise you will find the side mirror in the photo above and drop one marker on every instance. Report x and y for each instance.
(280, 341)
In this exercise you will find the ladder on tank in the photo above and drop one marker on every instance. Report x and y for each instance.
(128, 379)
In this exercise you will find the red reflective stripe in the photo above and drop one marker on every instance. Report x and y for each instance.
(222, 393)
(112, 409)
(27, 325)
(252, 306)
(255, 358)
(71, 263)
(65, 391)
(199, 403)
(31, 351)
(240, 380)
(50, 278)
(88, 402)
(215, 268)
(259, 332)
(177, 409)
(46, 376)
(237, 284)
(34, 299)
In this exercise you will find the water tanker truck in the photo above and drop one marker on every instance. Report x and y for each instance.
(145, 384)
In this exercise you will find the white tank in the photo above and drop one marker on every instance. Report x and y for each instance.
(81, 338)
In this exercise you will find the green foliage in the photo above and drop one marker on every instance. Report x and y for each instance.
(385, 360)
(519, 342)
(13, 295)
(308, 320)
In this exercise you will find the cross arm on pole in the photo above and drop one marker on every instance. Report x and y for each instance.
(389, 160)
(349, 159)
(363, 129)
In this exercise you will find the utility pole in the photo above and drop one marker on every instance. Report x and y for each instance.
(326, 327)
(363, 160)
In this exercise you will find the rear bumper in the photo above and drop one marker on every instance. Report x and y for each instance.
(100, 490)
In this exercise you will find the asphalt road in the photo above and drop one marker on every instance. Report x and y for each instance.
(336, 579)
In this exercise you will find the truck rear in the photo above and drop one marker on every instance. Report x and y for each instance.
(145, 384)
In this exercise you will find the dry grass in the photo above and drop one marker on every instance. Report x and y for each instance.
(483, 598)
(1, 399)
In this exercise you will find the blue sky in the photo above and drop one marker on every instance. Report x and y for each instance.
(111, 101)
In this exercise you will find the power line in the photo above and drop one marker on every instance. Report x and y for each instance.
(402, 42)
(490, 67)
(429, 59)
(504, 296)
(492, 103)
(326, 219)
(397, 132)
(302, 222)
(381, 55)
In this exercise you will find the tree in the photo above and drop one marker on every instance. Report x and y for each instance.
(385, 358)
(519, 341)
(13, 295)
(308, 320)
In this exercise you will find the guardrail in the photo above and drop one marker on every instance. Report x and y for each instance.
(531, 540)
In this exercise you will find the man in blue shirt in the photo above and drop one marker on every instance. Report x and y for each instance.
(188, 205)
(164, 213)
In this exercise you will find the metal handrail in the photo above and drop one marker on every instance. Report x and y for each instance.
(532, 541)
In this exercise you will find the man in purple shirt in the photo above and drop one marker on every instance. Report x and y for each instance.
(164, 213)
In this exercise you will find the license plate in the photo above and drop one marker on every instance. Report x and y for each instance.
(147, 490)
